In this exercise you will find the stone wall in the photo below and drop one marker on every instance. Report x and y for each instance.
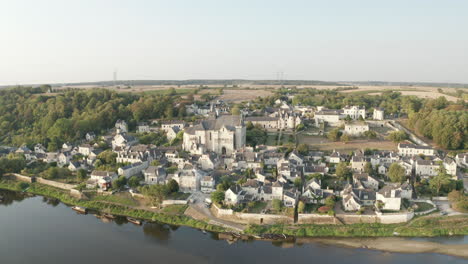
(317, 219)
(246, 218)
(55, 184)
(395, 218)
(356, 219)
(173, 202)
(19, 177)
(222, 212)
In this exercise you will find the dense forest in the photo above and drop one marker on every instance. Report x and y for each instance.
(28, 116)
(446, 124)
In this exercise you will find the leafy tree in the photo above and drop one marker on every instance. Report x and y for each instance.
(300, 127)
(437, 182)
(345, 138)
(368, 168)
(370, 134)
(298, 183)
(330, 201)
(334, 134)
(396, 173)
(303, 149)
(81, 174)
(173, 186)
(23, 185)
(455, 196)
(256, 136)
(277, 205)
(343, 171)
(156, 193)
(134, 181)
(398, 136)
(155, 163)
(301, 207)
(225, 183)
(217, 196)
(119, 182)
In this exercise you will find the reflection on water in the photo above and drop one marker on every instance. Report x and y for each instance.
(53, 233)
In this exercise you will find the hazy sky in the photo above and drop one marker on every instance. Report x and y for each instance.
(85, 40)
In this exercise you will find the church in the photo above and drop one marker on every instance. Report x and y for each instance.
(220, 134)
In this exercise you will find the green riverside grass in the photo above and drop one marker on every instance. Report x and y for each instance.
(418, 227)
(63, 196)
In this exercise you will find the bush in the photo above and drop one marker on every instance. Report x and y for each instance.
(277, 204)
(23, 185)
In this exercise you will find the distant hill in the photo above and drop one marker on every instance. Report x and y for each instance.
(205, 82)
(243, 82)
(425, 84)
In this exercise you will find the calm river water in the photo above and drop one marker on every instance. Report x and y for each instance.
(38, 230)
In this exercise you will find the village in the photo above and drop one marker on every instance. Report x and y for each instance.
(224, 178)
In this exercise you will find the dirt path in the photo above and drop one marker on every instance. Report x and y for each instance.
(199, 211)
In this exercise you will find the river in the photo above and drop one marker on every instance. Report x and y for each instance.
(39, 230)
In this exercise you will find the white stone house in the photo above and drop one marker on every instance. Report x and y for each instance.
(38, 148)
(143, 127)
(122, 140)
(391, 195)
(179, 124)
(85, 149)
(171, 132)
(64, 158)
(358, 163)
(411, 150)
(290, 198)
(136, 153)
(462, 159)
(75, 165)
(379, 114)
(154, 175)
(331, 117)
(356, 129)
(90, 136)
(207, 184)
(354, 112)
(132, 169)
(354, 199)
(208, 161)
(390, 198)
(121, 126)
(335, 157)
(365, 181)
(450, 166)
(234, 195)
(189, 178)
(426, 168)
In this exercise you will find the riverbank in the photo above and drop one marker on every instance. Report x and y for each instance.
(394, 244)
(122, 210)
(427, 226)
(424, 226)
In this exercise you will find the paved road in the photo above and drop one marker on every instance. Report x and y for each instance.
(198, 205)
(444, 206)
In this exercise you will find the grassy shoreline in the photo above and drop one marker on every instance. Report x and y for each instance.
(419, 227)
(428, 226)
(63, 196)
